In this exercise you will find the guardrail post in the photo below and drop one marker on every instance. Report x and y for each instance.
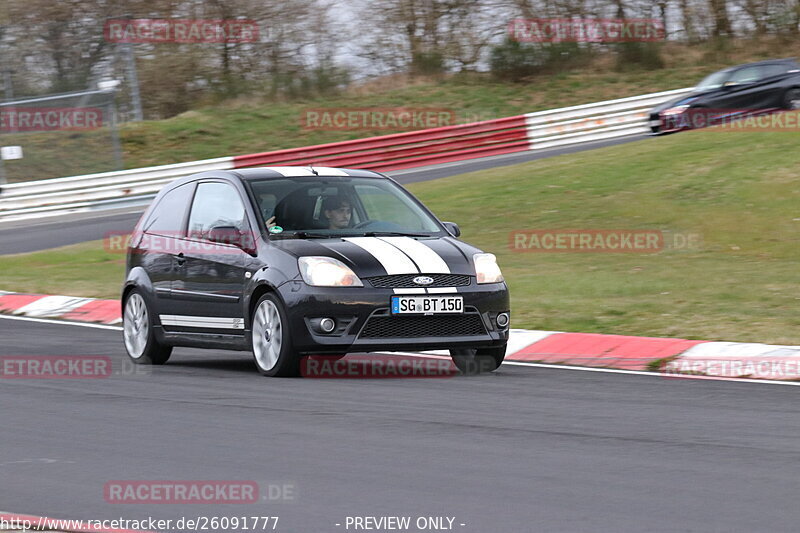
(3, 180)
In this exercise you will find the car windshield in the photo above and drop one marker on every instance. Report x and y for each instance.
(320, 207)
(713, 81)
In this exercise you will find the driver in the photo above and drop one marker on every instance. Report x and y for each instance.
(338, 211)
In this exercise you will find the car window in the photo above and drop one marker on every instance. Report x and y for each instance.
(169, 214)
(769, 71)
(746, 75)
(713, 81)
(215, 204)
(380, 204)
(267, 202)
(339, 206)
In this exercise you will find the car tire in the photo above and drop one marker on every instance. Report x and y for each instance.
(272, 346)
(138, 335)
(477, 361)
(791, 100)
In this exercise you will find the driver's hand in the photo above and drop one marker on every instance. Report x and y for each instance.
(271, 223)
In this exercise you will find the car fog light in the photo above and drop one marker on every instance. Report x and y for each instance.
(502, 320)
(327, 325)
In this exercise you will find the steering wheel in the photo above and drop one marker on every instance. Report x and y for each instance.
(364, 224)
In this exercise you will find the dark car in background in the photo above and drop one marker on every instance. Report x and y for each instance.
(294, 261)
(751, 89)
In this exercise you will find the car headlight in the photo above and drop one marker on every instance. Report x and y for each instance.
(675, 110)
(327, 272)
(486, 268)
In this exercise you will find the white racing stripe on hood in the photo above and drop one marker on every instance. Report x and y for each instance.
(393, 260)
(428, 261)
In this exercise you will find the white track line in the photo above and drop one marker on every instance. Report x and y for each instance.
(62, 322)
(618, 371)
(509, 363)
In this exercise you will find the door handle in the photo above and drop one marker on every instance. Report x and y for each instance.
(180, 259)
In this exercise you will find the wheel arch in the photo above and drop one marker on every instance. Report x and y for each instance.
(137, 279)
(258, 292)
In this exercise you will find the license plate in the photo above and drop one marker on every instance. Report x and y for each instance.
(427, 305)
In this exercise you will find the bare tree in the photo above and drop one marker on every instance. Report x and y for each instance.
(425, 36)
(721, 19)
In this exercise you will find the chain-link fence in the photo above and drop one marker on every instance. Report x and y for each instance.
(60, 135)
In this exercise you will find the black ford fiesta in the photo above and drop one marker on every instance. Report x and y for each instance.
(295, 261)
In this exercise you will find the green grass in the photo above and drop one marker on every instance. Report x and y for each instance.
(738, 191)
(258, 124)
(85, 269)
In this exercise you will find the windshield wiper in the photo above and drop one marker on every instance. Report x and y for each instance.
(395, 234)
(305, 235)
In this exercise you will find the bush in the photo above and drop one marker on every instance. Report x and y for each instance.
(515, 61)
(427, 63)
(636, 55)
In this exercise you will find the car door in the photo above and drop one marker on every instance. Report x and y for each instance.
(207, 291)
(775, 83)
(158, 242)
(745, 90)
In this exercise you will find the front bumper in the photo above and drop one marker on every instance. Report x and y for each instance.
(355, 308)
(660, 124)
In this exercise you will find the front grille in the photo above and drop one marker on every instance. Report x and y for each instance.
(406, 281)
(388, 326)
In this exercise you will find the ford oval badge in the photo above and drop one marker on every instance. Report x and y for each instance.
(423, 280)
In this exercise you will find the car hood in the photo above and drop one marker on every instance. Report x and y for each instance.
(379, 256)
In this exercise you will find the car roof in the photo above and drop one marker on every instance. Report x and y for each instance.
(290, 172)
(257, 173)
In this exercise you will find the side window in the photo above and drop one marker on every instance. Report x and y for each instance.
(215, 205)
(775, 70)
(746, 75)
(170, 212)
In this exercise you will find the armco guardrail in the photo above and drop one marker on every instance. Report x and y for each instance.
(406, 150)
(533, 131)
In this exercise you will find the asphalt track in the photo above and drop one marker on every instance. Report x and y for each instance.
(522, 450)
(41, 234)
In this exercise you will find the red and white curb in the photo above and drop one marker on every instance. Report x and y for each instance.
(61, 307)
(668, 356)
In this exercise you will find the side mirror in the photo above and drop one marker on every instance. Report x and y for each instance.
(233, 236)
(452, 228)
